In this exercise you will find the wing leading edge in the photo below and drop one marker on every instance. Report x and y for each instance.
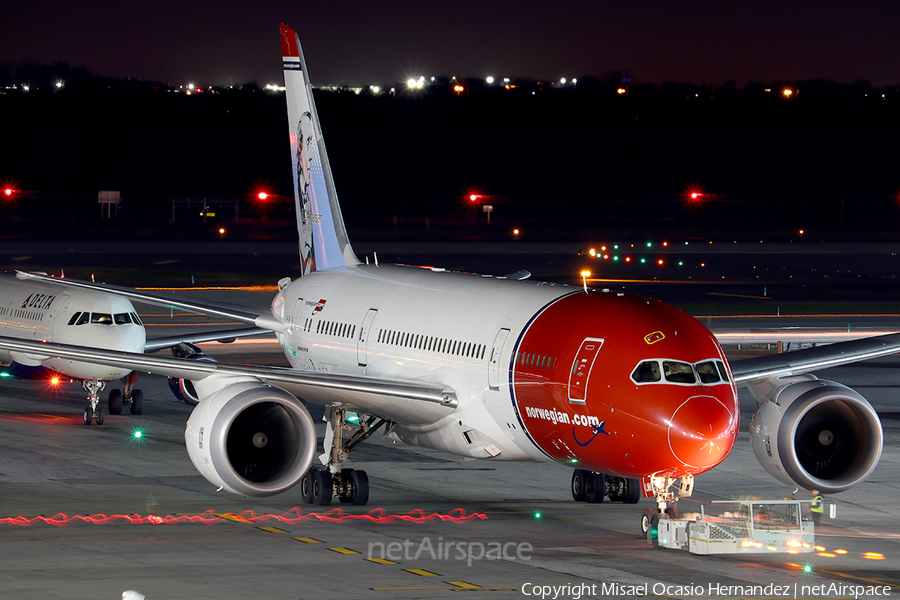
(751, 370)
(401, 401)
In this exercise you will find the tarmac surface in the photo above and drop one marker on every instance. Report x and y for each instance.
(90, 512)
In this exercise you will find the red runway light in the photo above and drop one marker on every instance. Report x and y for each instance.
(262, 195)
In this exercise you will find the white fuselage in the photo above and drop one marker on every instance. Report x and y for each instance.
(32, 310)
(395, 322)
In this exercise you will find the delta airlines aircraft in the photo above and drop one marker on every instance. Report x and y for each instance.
(635, 395)
(48, 312)
(44, 311)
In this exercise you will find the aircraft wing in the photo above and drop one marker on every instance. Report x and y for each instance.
(404, 401)
(750, 370)
(256, 318)
(223, 336)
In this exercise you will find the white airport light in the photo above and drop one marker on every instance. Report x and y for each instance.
(411, 83)
(490, 80)
(562, 81)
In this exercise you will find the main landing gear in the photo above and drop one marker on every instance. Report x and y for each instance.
(350, 486)
(591, 487)
(127, 396)
(666, 504)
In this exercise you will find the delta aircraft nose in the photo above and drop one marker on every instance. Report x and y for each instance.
(702, 431)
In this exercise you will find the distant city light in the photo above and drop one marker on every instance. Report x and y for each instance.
(60, 84)
(272, 87)
(787, 93)
(374, 89)
(563, 81)
(415, 84)
(490, 80)
(621, 91)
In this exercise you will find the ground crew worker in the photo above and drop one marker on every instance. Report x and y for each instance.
(817, 506)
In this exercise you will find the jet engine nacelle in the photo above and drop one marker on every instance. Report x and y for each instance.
(814, 433)
(182, 388)
(251, 439)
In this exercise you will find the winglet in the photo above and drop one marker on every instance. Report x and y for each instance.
(323, 237)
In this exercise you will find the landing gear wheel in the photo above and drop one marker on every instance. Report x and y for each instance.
(137, 402)
(306, 487)
(99, 416)
(115, 402)
(653, 532)
(646, 518)
(623, 490)
(347, 492)
(633, 492)
(594, 487)
(359, 484)
(322, 488)
(673, 512)
(578, 477)
(88, 415)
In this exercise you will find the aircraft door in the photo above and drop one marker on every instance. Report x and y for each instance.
(296, 318)
(494, 364)
(362, 345)
(581, 369)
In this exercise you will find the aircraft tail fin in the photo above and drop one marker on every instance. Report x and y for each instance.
(323, 237)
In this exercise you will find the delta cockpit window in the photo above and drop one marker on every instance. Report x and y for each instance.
(662, 371)
(80, 318)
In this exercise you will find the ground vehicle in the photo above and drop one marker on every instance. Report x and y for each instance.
(730, 527)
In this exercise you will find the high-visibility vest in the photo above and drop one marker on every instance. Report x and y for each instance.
(818, 504)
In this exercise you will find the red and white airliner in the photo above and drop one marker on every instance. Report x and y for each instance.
(635, 395)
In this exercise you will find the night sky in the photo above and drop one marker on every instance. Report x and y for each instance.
(364, 42)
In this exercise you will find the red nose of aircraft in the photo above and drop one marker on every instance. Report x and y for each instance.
(701, 431)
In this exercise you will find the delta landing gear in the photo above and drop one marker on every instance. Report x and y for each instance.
(350, 486)
(93, 412)
(128, 396)
(591, 487)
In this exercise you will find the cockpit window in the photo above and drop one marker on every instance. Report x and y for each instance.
(708, 372)
(136, 319)
(74, 318)
(678, 372)
(102, 318)
(122, 318)
(647, 372)
(84, 318)
(723, 370)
